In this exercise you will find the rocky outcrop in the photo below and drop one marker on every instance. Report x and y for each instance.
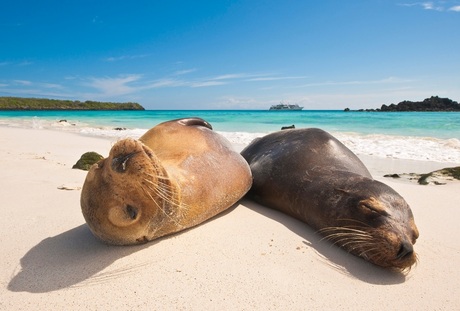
(434, 103)
(439, 177)
(87, 160)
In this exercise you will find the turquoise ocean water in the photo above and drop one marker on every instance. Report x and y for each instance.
(412, 135)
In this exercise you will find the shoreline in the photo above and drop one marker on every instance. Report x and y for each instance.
(249, 257)
(377, 165)
(385, 146)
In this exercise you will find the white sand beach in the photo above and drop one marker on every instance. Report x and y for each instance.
(249, 258)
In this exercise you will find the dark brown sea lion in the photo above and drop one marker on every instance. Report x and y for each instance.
(177, 175)
(309, 174)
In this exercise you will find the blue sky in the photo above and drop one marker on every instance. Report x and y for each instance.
(231, 54)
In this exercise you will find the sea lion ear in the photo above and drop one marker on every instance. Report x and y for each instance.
(195, 122)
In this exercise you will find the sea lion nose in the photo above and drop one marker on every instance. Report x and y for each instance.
(406, 249)
(119, 162)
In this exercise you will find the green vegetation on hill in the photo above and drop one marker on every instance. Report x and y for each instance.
(18, 103)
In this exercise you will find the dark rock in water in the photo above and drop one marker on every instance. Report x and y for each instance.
(439, 177)
(448, 173)
(288, 127)
(392, 175)
(452, 171)
(87, 160)
(119, 128)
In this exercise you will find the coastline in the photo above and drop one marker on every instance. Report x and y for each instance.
(437, 140)
(249, 257)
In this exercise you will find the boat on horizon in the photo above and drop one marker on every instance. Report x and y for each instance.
(283, 106)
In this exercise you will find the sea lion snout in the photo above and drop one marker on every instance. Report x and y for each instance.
(119, 163)
(406, 250)
(128, 151)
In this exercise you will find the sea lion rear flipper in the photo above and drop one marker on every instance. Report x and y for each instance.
(194, 121)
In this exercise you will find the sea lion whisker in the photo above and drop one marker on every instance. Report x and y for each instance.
(347, 240)
(341, 239)
(352, 247)
(157, 193)
(345, 231)
(151, 197)
(348, 231)
(371, 253)
(158, 176)
(335, 237)
(342, 228)
(354, 220)
(164, 195)
(161, 208)
(158, 187)
(168, 196)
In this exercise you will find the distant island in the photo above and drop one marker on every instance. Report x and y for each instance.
(19, 103)
(434, 103)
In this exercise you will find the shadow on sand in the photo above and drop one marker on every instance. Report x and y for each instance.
(331, 255)
(65, 260)
(74, 258)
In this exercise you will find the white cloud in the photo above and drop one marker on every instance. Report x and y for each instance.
(164, 83)
(430, 6)
(32, 88)
(358, 82)
(184, 72)
(223, 79)
(115, 86)
(230, 76)
(275, 78)
(129, 84)
(22, 82)
(123, 57)
(25, 63)
(206, 83)
(439, 6)
(51, 85)
(237, 102)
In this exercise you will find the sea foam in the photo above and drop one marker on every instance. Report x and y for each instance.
(379, 145)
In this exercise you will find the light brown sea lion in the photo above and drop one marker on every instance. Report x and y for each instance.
(177, 175)
(309, 174)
